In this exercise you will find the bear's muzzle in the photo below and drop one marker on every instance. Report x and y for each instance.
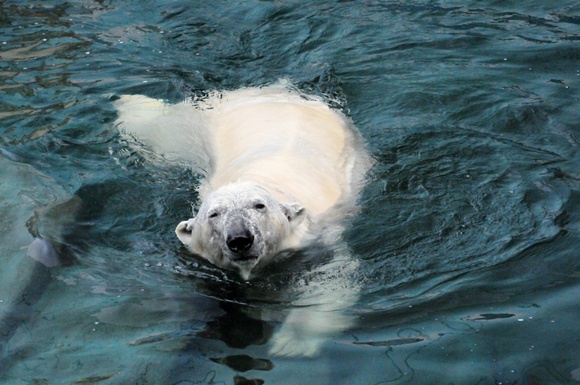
(239, 241)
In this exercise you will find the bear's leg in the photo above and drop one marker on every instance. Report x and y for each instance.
(322, 314)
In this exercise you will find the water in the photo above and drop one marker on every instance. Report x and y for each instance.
(468, 235)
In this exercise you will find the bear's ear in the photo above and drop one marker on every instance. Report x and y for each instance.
(295, 213)
(184, 231)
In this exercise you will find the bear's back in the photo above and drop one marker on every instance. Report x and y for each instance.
(299, 150)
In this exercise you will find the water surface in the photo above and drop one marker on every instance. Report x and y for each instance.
(469, 229)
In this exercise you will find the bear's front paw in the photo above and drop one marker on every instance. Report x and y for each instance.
(290, 342)
(305, 331)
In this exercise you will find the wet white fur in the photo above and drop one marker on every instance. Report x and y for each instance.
(274, 144)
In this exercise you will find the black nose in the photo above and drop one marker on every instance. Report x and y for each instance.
(240, 241)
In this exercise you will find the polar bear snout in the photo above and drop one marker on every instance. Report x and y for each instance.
(239, 240)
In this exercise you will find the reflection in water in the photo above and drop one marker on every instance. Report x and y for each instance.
(243, 363)
(236, 328)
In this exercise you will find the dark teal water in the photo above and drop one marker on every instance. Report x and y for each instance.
(469, 233)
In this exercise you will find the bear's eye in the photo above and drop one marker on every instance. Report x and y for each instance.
(213, 214)
(259, 206)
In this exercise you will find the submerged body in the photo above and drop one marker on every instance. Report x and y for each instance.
(282, 170)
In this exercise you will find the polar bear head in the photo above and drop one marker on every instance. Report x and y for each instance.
(240, 226)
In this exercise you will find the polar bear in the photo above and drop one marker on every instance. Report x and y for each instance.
(282, 169)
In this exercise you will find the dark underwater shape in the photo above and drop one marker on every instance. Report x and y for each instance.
(243, 363)
(239, 380)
